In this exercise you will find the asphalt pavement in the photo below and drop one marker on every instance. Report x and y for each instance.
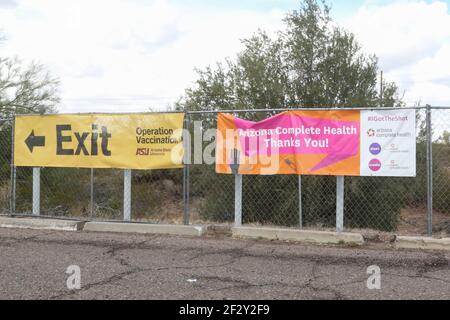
(33, 265)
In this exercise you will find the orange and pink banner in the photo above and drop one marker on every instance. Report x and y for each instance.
(304, 142)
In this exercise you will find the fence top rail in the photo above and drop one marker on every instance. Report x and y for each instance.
(97, 113)
(301, 109)
(440, 107)
(225, 111)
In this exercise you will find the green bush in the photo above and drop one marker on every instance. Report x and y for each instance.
(374, 202)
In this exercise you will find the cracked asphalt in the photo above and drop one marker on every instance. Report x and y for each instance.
(129, 266)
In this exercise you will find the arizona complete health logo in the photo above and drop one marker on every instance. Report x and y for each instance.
(371, 132)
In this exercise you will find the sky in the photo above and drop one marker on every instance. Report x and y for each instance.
(139, 55)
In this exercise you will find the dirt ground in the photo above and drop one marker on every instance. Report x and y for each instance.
(414, 221)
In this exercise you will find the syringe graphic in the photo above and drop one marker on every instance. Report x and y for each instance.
(234, 165)
(290, 164)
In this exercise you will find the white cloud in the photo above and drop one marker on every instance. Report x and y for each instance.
(120, 55)
(435, 67)
(431, 77)
(410, 39)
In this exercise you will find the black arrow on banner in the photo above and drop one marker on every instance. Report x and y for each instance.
(34, 141)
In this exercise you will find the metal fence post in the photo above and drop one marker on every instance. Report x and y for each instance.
(237, 200)
(14, 188)
(237, 188)
(339, 204)
(91, 214)
(300, 213)
(127, 195)
(186, 161)
(36, 191)
(12, 199)
(429, 171)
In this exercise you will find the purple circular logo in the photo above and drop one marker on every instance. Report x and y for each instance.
(375, 148)
(375, 165)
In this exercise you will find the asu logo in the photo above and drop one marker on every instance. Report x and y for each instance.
(142, 151)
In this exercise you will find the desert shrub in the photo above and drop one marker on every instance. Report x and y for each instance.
(374, 202)
(64, 191)
(441, 177)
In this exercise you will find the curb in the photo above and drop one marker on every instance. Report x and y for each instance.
(196, 231)
(318, 237)
(42, 224)
(422, 243)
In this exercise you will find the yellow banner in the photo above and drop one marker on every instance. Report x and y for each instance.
(123, 141)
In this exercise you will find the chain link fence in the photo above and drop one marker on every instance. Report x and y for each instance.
(5, 165)
(199, 195)
(441, 171)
